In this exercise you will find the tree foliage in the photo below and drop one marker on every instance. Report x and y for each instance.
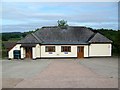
(62, 24)
(7, 36)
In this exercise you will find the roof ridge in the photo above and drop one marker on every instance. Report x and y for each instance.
(91, 37)
(23, 38)
(68, 26)
(49, 26)
(40, 41)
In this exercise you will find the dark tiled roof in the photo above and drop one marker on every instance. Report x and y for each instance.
(28, 39)
(71, 35)
(28, 45)
(56, 35)
(99, 38)
(68, 43)
(8, 45)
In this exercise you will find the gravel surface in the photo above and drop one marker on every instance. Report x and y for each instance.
(23, 68)
(102, 66)
(61, 73)
(14, 71)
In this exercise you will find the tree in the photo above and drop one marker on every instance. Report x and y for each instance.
(117, 42)
(62, 24)
(5, 38)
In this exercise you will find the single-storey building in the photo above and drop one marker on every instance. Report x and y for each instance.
(55, 42)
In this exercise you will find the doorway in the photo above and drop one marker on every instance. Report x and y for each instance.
(17, 54)
(80, 51)
(28, 52)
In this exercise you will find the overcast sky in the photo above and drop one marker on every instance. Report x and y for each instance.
(27, 16)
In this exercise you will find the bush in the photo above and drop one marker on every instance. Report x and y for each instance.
(4, 53)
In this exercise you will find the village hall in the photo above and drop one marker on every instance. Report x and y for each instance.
(57, 42)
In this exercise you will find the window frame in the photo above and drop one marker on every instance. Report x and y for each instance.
(65, 48)
(49, 48)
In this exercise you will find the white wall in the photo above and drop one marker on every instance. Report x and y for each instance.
(100, 50)
(33, 52)
(10, 53)
(23, 53)
(58, 52)
(86, 51)
(37, 51)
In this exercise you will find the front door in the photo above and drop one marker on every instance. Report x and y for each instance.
(80, 51)
(28, 52)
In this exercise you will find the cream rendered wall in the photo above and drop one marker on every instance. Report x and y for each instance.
(10, 53)
(37, 51)
(100, 49)
(22, 52)
(73, 52)
(86, 51)
(58, 52)
(33, 52)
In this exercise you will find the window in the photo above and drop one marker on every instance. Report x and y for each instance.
(50, 49)
(65, 48)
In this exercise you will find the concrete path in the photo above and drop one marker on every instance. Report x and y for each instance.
(68, 74)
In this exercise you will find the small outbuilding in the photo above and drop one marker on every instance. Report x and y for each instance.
(55, 42)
